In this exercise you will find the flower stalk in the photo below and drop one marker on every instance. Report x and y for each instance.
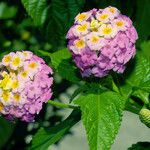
(62, 105)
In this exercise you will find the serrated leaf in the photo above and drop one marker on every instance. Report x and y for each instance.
(58, 56)
(6, 129)
(55, 17)
(140, 146)
(137, 75)
(101, 116)
(78, 91)
(145, 47)
(43, 53)
(46, 137)
(140, 72)
(142, 13)
(145, 86)
(60, 19)
(68, 71)
(36, 9)
(61, 62)
(143, 95)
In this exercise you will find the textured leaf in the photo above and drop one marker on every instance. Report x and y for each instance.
(141, 71)
(101, 116)
(143, 95)
(145, 46)
(43, 53)
(68, 71)
(140, 146)
(145, 86)
(137, 75)
(6, 129)
(55, 16)
(46, 137)
(61, 18)
(58, 56)
(36, 9)
(142, 15)
(62, 64)
(81, 89)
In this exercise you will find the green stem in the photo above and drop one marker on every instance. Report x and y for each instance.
(62, 105)
(132, 109)
(143, 99)
(132, 102)
(131, 106)
(116, 86)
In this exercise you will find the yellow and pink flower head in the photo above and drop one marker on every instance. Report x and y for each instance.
(25, 84)
(102, 40)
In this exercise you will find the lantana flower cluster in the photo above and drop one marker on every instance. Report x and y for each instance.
(25, 84)
(102, 40)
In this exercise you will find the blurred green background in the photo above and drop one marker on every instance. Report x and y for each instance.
(19, 32)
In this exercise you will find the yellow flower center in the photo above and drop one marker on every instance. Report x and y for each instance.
(7, 59)
(16, 61)
(80, 44)
(112, 10)
(6, 82)
(94, 25)
(95, 39)
(24, 74)
(81, 17)
(5, 95)
(119, 23)
(17, 97)
(1, 106)
(15, 84)
(82, 28)
(26, 54)
(104, 16)
(107, 30)
(32, 65)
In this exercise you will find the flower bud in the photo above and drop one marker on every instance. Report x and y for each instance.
(145, 116)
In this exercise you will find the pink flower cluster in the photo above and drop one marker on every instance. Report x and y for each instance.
(25, 84)
(102, 40)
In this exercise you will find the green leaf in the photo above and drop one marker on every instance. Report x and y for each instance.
(36, 9)
(145, 47)
(43, 53)
(46, 137)
(61, 62)
(137, 75)
(81, 89)
(142, 22)
(68, 71)
(55, 16)
(61, 18)
(6, 129)
(140, 72)
(145, 86)
(140, 146)
(7, 12)
(101, 116)
(86, 87)
(58, 56)
(143, 95)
